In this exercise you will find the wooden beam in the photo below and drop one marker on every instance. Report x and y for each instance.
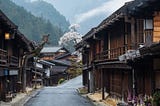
(116, 66)
(133, 39)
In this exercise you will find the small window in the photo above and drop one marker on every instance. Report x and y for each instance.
(148, 24)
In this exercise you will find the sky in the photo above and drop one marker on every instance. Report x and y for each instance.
(84, 12)
(104, 7)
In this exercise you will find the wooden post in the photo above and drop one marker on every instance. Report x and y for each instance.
(24, 80)
(133, 39)
(102, 81)
(88, 81)
(94, 75)
(152, 77)
(125, 38)
(122, 85)
(109, 45)
(133, 82)
(91, 82)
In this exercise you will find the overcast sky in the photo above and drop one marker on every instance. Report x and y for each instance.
(67, 8)
(105, 8)
(86, 13)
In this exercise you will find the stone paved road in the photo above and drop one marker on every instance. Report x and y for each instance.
(63, 95)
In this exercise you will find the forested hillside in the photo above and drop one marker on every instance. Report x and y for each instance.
(46, 11)
(29, 25)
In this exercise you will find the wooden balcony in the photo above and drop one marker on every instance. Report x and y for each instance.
(111, 53)
(13, 61)
(3, 57)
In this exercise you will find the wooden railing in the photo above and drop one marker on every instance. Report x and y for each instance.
(112, 53)
(13, 61)
(6, 60)
(3, 57)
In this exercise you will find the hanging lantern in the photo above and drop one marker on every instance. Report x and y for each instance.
(7, 36)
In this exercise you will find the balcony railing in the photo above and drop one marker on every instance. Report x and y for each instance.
(6, 60)
(112, 53)
(13, 61)
(3, 57)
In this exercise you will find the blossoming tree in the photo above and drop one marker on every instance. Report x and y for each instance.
(68, 40)
(72, 37)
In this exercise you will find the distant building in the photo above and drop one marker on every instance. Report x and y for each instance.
(62, 59)
(42, 73)
(59, 71)
(50, 53)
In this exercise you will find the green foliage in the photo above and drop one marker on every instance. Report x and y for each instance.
(61, 81)
(46, 11)
(32, 27)
(76, 68)
(156, 97)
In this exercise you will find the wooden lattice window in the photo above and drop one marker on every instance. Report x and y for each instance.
(156, 32)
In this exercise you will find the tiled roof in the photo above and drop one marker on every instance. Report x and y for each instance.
(63, 56)
(50, 49)
(58, 69)
(61, 62)
(46, 63)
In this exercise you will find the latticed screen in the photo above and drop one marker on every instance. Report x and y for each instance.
(156, 33)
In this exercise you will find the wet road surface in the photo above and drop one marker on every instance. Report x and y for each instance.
(63, 95)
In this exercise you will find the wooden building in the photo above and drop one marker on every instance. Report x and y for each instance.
(115, 57)
(59, 71)
(41, 73)
(51, 53)
(62, 58)
(13, 44)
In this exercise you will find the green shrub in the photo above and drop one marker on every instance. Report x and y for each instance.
(61, 81)
(156, 97)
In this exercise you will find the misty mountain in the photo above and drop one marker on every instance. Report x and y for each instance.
(32, 27)
(77, 6)
(46, 11)
(72, 9)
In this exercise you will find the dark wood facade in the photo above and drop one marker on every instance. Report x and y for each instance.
(123, 33)
(13, 44)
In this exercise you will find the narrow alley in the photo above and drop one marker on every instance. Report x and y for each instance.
(63, 95)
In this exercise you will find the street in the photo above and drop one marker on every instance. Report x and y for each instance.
(63, 95)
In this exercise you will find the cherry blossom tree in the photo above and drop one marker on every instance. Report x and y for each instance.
(71, 36)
